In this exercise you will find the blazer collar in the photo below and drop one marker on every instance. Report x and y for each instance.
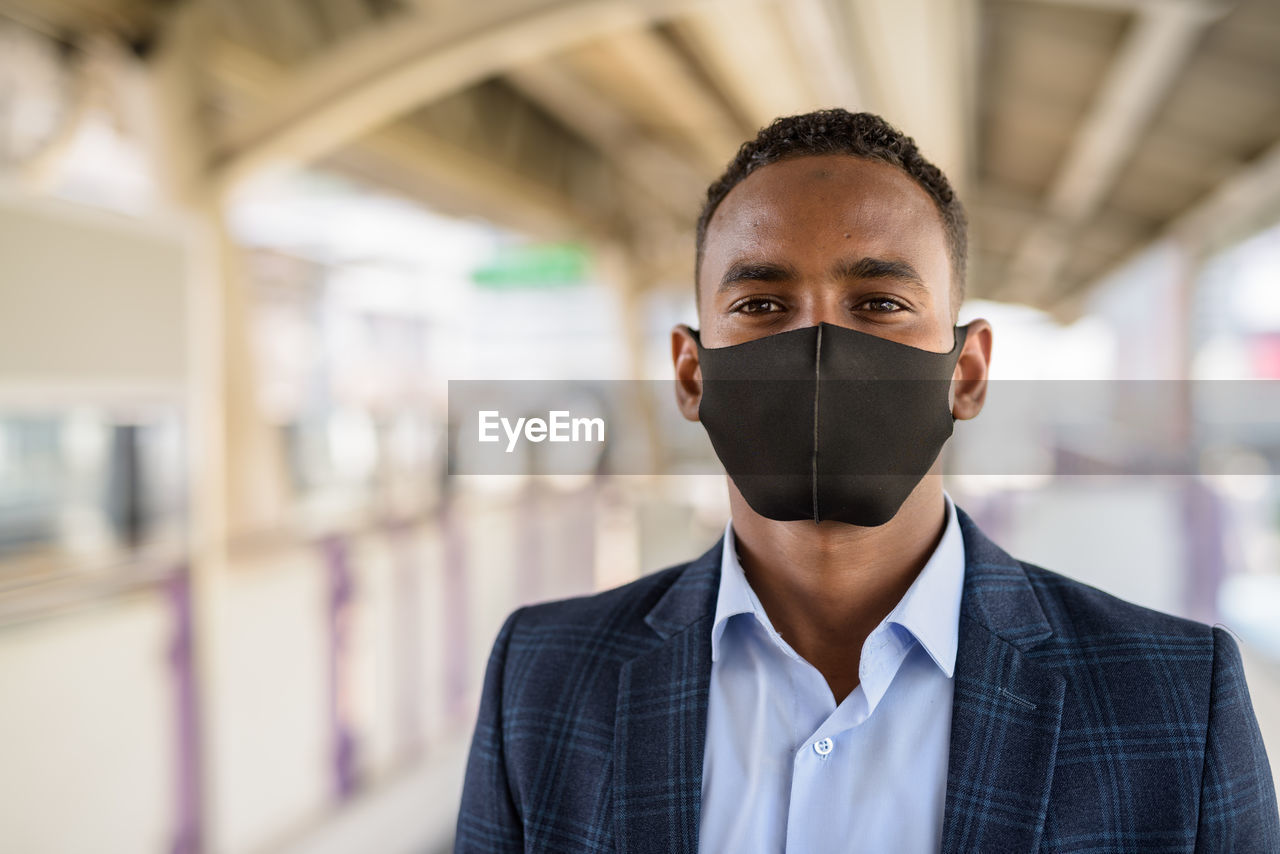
(691, 597)
(997, 594)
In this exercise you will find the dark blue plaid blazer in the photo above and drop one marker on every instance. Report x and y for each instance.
(1081, 723)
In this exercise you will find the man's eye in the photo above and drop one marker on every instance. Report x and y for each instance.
(759, 305)
(882, 304)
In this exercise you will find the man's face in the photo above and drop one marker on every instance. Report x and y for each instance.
(831, 238)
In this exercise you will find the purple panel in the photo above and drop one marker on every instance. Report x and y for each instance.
(341, 597)
(187, 835)
(1206, 560)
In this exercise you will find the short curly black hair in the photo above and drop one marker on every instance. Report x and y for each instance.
(838, 131)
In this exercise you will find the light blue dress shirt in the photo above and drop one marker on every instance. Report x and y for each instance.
(786, 769)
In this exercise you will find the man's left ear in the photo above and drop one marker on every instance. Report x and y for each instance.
(684, 355)
(969, 381)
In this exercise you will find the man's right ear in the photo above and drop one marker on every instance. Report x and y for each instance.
(684, 355)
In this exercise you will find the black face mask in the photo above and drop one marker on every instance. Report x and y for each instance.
(827, 423)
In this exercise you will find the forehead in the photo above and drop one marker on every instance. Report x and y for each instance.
(799, 202)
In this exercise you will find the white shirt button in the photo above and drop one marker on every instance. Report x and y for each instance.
(822, 748)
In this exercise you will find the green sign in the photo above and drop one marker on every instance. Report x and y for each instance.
(546, 265)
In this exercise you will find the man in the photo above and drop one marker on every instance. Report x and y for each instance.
(854, 666)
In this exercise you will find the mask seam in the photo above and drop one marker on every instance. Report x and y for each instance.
(817, 390)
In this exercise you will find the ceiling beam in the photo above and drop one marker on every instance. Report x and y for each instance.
(921, 73)
(464, 181)
(388, 70)
(820, 33)
(667, 188)
(346, 17)
(1131, 5)
(442, 169)
(1247, 200)
(649, 63)
(748, 53)
(1145, 67)
(652, 169)
(1243, 204)
(294, 27)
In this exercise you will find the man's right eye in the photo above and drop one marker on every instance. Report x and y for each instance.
(757, 305)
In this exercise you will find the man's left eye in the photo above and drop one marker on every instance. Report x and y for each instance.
(882, 304)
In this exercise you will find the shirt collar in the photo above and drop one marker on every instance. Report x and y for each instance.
(735, 596)
(929, 610)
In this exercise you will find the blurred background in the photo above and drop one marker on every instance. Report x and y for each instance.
(246, 244)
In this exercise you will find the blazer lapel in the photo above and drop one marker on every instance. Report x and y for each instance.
(661, 718)
(1007, 708)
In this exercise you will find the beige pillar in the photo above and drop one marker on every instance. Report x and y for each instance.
(235, 479)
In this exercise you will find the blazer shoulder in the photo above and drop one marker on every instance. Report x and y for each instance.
(1127, 668)
(1079, 611)
(566, 654)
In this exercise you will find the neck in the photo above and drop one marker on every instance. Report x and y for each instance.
(826, 586)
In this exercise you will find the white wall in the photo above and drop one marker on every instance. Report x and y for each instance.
(88, 298)
(1123, 536)
(268, 698)
(87, 731)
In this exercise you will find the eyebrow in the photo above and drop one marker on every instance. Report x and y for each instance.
(741, 271)
(862, 268)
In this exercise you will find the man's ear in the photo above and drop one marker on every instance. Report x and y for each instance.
(969, 381)
(684, 355)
